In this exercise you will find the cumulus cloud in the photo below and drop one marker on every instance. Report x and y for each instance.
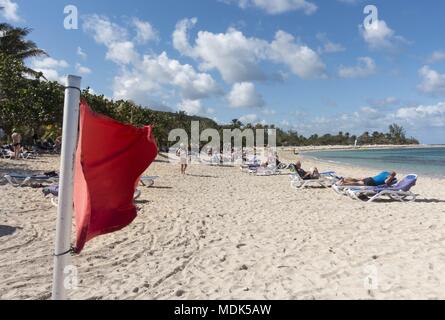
(154, 73)
(435, 57)
(195, 107)
(50, 68)
(277, 6)
(244, 95)
(433, 82)
(142, 77)
(385, 102)
(328, 45)
(365, 67)
(381, 37)
(237, 57)
(249, 118)
(10, 10)
(103, 30)
(113, 36)
(82, 69)
(145, 31)
(81, 53)
(432, 115)
(419, 118)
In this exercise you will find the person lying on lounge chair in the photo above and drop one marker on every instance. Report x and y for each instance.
(384, 178)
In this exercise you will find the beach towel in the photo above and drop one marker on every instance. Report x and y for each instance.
(110, 159)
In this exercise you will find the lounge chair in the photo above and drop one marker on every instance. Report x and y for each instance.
(53, 192)
(399, 192)
(6, 153)
(267, 171)
(148, 181)
(343, 189)
(20, 180)
(326, 180)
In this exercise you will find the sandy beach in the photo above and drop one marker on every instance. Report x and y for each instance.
(218, 233)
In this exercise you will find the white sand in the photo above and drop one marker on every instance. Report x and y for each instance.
(222, 234)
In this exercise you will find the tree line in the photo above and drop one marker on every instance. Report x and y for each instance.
(33, 106)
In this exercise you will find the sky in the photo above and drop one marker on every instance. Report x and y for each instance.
(308, 65)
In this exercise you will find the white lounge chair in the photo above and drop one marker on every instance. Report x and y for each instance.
(326, 180)
(399, 192)
(148, 181)
(268, 171)
(19, 180)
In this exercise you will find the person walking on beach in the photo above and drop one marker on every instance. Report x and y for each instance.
(16, 143)
(182, 154)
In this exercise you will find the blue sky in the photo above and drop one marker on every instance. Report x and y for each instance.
(306, 65)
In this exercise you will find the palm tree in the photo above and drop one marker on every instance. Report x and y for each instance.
(13, 43)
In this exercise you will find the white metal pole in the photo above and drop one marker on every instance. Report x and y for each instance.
(65, 208)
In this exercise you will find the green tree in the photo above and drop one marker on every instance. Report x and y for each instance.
(13, 42)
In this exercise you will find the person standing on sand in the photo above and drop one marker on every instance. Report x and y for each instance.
(16, 143)
(182, 154)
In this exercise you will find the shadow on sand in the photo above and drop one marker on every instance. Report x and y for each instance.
(200, 176)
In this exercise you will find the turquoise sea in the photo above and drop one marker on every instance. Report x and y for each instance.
(422, 161)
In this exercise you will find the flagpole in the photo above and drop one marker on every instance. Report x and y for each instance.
(66, 186)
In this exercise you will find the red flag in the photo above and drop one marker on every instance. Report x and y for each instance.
(110, 159)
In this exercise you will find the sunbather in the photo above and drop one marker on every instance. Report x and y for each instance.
(313, 173)
(384, 178)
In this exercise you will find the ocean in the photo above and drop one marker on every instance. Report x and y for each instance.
(422, 161)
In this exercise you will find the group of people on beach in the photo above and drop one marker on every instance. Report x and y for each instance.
(18, 147)
(384, 178)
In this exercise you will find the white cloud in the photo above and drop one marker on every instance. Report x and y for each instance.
(195, 108)
(191, 107)
(237, 57)
(385, 102)
(103, 30)
(433, 115)
(302, 60)
(277, 6)
(50, 68)
(436, 56)
(81, 53)
(122, 52)
(249, 118)
(433, 82)
(328, 45)
(82, 70)
(49, 63)
(381, 37)
(145, 78)
(10, 10)
(244, 95)
(113, 36)
(145, 31)
(419, 119)
(365, 67)
(154, 73)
